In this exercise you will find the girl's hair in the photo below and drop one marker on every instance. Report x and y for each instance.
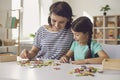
(84, 24)
(63, 9)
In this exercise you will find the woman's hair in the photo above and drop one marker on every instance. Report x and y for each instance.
(84, 24)
(63, 9)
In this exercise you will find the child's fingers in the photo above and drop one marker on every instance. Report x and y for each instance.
(74, 62)
(77, 62)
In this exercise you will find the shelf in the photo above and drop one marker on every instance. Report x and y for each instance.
(10, 44)
(107, 29)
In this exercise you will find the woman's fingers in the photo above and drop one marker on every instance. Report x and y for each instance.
(24, 54)
(63, 59)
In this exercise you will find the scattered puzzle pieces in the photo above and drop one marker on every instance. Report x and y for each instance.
(37, 63)
(84, 71)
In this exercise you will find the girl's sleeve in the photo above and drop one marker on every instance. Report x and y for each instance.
(72, 46)
(97, 47)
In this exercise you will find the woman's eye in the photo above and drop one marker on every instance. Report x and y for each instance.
(53, 20)
(77, 35)
(61, 22)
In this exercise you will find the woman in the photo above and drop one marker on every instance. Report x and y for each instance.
(53, 41)
(84, 48)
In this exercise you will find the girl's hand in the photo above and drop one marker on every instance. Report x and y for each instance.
(79, 62)
(24, 54)
(64, 59)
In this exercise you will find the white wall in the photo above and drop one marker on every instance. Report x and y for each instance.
(44, 11)
(92, 7)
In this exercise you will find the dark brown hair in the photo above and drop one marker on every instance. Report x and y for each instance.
(84, 24)
(63, 9)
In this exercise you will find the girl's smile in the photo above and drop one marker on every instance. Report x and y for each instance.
(80, 37)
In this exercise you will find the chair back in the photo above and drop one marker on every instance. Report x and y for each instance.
(113, 51)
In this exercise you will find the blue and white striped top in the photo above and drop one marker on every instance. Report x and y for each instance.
(52, 45)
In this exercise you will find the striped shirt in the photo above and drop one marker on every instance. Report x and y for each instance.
(52, 45)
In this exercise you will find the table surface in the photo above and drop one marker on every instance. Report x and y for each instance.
(13, 71)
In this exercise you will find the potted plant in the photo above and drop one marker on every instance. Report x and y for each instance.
(105, 9)
(32, 35)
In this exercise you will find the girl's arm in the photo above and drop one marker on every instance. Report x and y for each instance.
(102, 55)
(66, 57)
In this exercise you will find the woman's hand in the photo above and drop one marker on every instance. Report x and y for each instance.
(64, 59)
(24, 54)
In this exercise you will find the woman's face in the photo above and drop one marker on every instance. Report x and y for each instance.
(58, 22)
(80, 37)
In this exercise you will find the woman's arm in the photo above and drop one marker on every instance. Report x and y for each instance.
(66, 57)
(29, 54)
(102, 55)
(33, 52)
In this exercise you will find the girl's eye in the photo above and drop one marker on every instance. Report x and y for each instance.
(76, 34)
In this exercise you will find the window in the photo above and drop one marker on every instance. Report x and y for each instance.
(29, 16)
(15, 13)
(33, 15)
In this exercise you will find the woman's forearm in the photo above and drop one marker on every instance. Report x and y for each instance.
(33, 52)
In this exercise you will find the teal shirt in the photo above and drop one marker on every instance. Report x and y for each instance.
(81, 51)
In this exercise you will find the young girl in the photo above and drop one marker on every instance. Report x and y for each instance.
(84, 48)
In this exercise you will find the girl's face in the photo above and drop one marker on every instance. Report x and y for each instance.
(80, 37)
(58, 22)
